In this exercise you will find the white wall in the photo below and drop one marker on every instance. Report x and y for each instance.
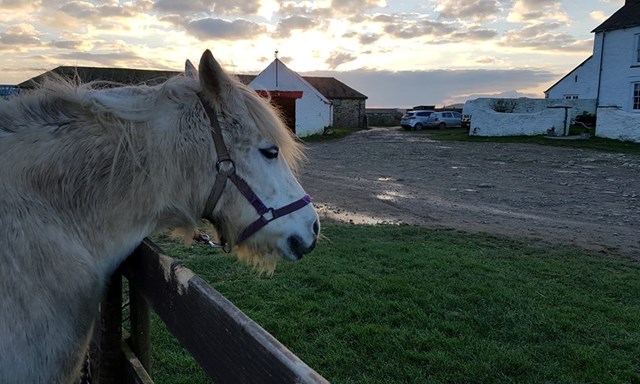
(582, 81)
(313, 111)
(614, 123)
(486, 122)
(619, 69)
(528, 116)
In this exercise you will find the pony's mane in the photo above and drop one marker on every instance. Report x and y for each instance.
(59, 99)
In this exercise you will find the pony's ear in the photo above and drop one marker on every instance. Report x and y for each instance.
(212, 77)
(190, 71)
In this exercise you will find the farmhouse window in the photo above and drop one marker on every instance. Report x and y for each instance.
(637, 49)
(636, 97)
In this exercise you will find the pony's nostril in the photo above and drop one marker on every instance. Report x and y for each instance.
(316, 227)
(298, 248)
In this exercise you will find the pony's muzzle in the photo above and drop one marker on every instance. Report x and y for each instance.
(298, 248)
(297, 245)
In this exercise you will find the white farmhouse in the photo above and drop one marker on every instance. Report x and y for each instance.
(580, 83)
(611, 75)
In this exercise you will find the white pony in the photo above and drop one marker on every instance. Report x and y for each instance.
(87, 173)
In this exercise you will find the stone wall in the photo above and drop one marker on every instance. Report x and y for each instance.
(614, 123)
(486, 122)
(524, 116)
(349, 113)
(383, 117)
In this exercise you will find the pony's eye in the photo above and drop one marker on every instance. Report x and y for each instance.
(270, 153)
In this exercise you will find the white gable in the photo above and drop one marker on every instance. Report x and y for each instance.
(580, 83)
(314, 112)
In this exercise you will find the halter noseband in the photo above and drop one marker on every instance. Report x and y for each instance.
(226, 169)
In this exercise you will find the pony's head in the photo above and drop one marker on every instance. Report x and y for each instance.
(256, 204)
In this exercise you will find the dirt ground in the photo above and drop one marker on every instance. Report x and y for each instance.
(539, 193)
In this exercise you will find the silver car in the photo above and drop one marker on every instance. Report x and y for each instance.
(420, 119)
(445, 119)
(417, 119)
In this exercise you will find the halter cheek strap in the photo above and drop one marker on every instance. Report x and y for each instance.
(226, 170)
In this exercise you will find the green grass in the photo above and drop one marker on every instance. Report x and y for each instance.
(594, 143)
(392, 304)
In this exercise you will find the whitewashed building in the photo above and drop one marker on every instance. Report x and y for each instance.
(580, 83)
(306, 110)
(611, 75)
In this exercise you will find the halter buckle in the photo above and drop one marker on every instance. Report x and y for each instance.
(270, 215)
(225, 167)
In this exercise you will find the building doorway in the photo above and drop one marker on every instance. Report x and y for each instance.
(285, 101)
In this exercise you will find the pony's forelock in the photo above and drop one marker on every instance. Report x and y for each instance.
(269, 122)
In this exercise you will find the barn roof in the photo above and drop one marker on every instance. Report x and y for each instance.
(329, 87)
(333, 88)
(625, 17)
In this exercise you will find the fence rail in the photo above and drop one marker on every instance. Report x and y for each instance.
(228, 345)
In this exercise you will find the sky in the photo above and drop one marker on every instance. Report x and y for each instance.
(398, 53)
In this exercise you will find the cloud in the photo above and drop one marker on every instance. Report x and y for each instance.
(364, 38)
(289, 24)
(541, 36)
(110, 59)
(598, 16)
(308, 9)
(72, 45)
(219, 7)
(16, 5)
(478, 10)
(338, 58)
(369, 38)
(355, 7)
(19, 36)
(86, 11)
(322, 10)
(213, 29)
(410, 26)
(535, 11)
(403, 27)
(408, 88)
(473, 34)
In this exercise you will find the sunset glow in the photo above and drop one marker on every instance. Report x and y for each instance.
(440, 51)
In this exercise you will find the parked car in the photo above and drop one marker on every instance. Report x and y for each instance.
(445, 119)
(415, 119)
(420, 119)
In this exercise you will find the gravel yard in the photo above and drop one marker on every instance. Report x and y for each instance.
(540, 193)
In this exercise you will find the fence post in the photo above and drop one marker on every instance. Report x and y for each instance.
(109, 326)
(140, 328)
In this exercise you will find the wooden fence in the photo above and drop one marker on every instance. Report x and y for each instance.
(228, 345)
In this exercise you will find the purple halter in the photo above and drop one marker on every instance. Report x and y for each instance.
(226, 170)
